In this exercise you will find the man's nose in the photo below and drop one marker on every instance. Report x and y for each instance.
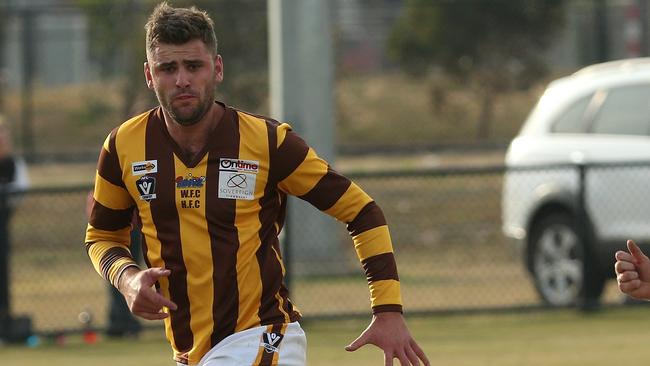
(182, 79)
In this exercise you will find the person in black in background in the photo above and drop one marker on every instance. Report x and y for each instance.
(13, 172)
(7, 169)
(13, 178)
(7, 165)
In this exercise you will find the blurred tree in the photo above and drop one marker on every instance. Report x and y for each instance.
(117, 37)
(116, 34)
(495, 46)
(241, 28)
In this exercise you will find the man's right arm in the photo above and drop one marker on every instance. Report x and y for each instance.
(110, 212)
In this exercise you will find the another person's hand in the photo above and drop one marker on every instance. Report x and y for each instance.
(633, 272)
(388, 331)
(143, 300)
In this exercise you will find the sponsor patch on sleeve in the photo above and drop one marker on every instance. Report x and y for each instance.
(144, 167)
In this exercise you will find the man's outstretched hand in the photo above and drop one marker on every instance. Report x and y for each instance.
(143, 300)
(633, 272)
(388, 331)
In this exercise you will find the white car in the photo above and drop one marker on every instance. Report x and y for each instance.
(597, 118)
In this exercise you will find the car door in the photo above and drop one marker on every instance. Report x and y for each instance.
(618, 146)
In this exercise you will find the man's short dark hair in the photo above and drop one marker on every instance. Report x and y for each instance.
(178, 26)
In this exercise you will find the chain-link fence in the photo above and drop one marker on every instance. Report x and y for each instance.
(50, 276)
(446, 227)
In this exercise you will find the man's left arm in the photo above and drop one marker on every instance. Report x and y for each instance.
(312, 180)
(387, 330)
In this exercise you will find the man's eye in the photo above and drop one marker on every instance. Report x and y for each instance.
(193, 67)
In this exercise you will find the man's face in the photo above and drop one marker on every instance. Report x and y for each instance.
(184, 78)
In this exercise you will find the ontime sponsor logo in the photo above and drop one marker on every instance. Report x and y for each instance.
(249, 166)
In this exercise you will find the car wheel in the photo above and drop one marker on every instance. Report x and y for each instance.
(556, 256)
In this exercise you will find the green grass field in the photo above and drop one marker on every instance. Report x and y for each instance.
(541, 338)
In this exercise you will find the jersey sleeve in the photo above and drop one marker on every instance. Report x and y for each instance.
(109, 225)
(303, 174)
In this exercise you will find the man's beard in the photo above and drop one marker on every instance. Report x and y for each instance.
(197, 113)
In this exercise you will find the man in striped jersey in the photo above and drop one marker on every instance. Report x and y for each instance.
(209, 183)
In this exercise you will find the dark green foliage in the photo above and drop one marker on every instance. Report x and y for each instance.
(467, 36)
(492, 45)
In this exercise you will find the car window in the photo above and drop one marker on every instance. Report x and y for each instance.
(573, 120)
(625, 111)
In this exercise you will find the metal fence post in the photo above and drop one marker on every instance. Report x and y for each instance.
(5, 320)
(587, 300)
(4, 270)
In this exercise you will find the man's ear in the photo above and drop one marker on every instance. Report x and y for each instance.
(147, 76)
(218, 68)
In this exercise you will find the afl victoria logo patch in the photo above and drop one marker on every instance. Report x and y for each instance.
(271, 341)
(146, 187)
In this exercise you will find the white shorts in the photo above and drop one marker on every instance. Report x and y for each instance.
(267, 345)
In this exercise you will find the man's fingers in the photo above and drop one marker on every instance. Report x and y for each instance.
(413, 358)
(403, 360)
(388, 359)
(401, 356)
(627, 276)
(624, 256)
(161, 300)
(157, 272)
(357, 343)
(151, 316)
(151, 302)
(154, 299)
(149, 306)
(154, 274)
(149, 310)
(635, 250)
(622, 266)
(420, 353)
(630, 286)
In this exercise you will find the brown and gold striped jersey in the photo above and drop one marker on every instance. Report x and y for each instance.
(214, 222)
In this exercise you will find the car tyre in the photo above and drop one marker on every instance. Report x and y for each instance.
(555, 259)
